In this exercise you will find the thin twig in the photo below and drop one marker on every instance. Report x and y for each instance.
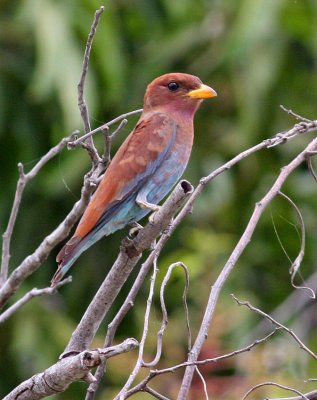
(156, 372)
(24, 178)
(108, 139)
(301, 395)
(74, 143)
(298, 129)
(310, 396)
(32, 262)
(139, 363)
(28, 296)
(298, 260)
(203, 382)
(92, 151)
(154, 393)
(276, 323)
(164, 311)
(311, 168)
(297, 116)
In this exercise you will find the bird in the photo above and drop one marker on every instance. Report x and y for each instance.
(147, 165)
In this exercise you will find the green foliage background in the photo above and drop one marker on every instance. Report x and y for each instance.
(257, 54)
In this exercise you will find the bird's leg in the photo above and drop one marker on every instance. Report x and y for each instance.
(135, 229)
(143, 203)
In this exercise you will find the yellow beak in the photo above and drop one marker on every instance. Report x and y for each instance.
(203, 92)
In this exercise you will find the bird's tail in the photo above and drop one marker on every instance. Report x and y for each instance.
(67, 256)
(78, 244)
(117, 215)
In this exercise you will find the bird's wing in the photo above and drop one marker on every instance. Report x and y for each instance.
(137, 159)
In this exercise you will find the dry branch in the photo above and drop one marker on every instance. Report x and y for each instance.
(301, 396)
(59, 376)
(29, 296)
(156, 372)
(91, 149)
(278, 324)
(240, 247)
(24, 178)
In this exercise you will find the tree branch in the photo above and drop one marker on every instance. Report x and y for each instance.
(278, 324)
(92, 151)
(156, 372)
(59, 376)
(243, 242)
(22, 182)
(82, 138)
(31, 263)
(29, 296)
(301, 396)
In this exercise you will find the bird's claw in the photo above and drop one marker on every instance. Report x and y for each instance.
(152, 216)
(152, 245)
(135, 229)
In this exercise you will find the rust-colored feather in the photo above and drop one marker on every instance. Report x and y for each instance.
(142, 146)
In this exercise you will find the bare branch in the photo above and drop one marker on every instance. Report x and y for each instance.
(156, 372)
(92, 151)
(297, 116)
(75, 143)
(301, 395)
(31, 263)
(109, 139)
(154, 393)
(300, 128)
(58, 377)
(22, 182)
(278, 324)
(164, 311)
(311, 168)
(310, 396)
(139, 362)
(203, 382)
(241, 245)
(298, 260)
(28, 296)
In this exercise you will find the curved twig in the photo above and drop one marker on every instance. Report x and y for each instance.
(301, 395)
(298, 260)
(278, 324)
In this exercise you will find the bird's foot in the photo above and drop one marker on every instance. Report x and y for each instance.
(152, 245)
(152, 217)
(149, 206)
(135, 229)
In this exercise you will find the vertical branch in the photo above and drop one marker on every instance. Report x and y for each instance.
(81, 86)
(6, 237)
(22, 182)
(140, 362)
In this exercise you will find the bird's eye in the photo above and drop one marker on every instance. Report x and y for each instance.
(173, 86)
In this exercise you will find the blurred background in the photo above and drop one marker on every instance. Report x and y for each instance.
(257, 54)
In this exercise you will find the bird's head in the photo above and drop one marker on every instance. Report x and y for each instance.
(176, 92)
